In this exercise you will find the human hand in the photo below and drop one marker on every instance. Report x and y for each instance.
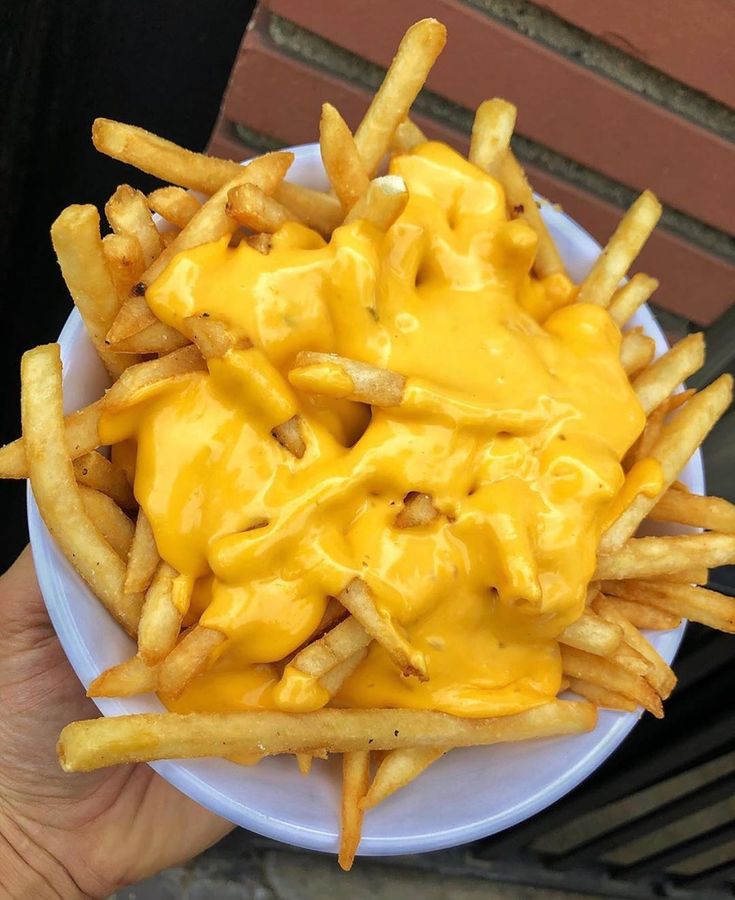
(67, 835)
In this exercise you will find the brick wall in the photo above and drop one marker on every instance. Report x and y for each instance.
(613, 96)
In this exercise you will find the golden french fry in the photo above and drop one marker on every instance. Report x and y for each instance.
(316, 209)
(621, 250)
(686, 601)
(133, 316)
(636, 351)
(418, 509)
(96, 471)
(660, 676)
(125, 680)
(127, 212)
(189, 658)
(632, 661)
(711, 513)
(492, 130)
(143, 558)
(593, 634)
(141, 376)
(397, 769)
(56, 491)
(254, 209)
(382, 203)
(212, 221)
(80, 436)
(213, 338)
(78, 246)
(355, 781)
(336, 677)
(174, 204)
(97, 743)
(658, 380)
(358, 599)
(695, 575)
(650, 557)
(678, 441)
(303, 761)
(612, 676)
(340, 377)
(154, 338)
(341, 158)
(162, 158)
(288, 435)
(125, 262)
(407, 137)
(647, 617)
(416, 54)
(107, 517)
(338, 646)
(259, 242)
(520, 200)
(601, 696)
(630, 297)
(166, 603)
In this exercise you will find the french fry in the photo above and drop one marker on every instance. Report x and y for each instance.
(96, 471)
(695, 575)
(636, 351)
(212, 221)
(358, 599)
(339, 377)
(127, 212)
(621, 250)
(632, 661)
(658, 380)
(125, 680)
(174, 204)
(355, 781)
(81, 435)
(213, 338)
(332, 648)
(143, 558)
(630, 297)
(416, 54)
(138, 378)
(650, 557)
(288, 435)
(646, 617)
(336, 677)
(78, 246)
(382, 203)
(694, 603)
(593, 634)
(341, 158)
(711, 513)
(96, 743)
(397, 769)
(678, 440)
(254, 209)
(107, 517)
(492, 130)
(154, 338)
(611, 676)
(56, 491)
(166, 603)
(407, 137)
(316, 209)
(303, 761)
(520, 200)
(661, 677)
(133, 317)
(162, 158)
(259, 242)
(125, 262)
(189, 658)
(418, 509)
(601, 696)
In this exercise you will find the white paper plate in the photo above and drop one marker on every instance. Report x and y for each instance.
(467, 795)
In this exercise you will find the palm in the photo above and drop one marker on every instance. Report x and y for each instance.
(107, 828)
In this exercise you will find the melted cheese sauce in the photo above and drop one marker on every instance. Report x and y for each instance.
(515, 417)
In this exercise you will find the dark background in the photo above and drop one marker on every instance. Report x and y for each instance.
(161, 64)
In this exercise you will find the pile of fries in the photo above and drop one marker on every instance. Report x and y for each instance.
(88, 505)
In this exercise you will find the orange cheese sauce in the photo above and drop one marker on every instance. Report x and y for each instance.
(515, 417)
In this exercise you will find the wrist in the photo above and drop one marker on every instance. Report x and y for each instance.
(28, 871)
